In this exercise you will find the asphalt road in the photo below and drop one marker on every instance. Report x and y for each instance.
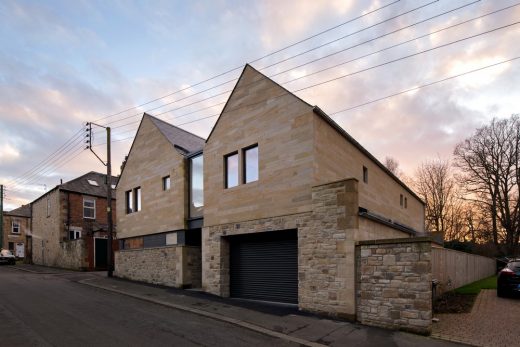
(54, 310)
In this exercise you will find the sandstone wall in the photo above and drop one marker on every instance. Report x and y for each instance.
(394, 284)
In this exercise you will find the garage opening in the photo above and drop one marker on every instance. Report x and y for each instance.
(264, 266)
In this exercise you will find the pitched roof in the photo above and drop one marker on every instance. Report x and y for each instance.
(22, 211)
(181, 139)
(86, 184)
(331, 122)
(82, 185)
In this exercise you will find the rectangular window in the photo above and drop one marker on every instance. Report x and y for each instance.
(15, 227)
(166, 183)
(74, 234)
(137, 199)
(401, 200)
(365, 174)
(196, 186)
(11, 246)
(48, 206)
(89, 208)
(231, 170)
(129, 201)
(405, 203)
(250, 171)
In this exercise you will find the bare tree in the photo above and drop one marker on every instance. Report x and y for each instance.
(393, 165)
(435, 184)
(489, 165)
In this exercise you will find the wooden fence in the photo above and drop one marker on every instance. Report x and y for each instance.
(454, 269)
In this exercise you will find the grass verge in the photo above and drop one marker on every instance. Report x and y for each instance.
(475, 287)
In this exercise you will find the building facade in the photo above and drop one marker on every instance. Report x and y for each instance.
(159, 204)
(287, 195)
(69, 224)
(16, 225)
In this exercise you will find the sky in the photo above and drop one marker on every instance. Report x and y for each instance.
(64, 63)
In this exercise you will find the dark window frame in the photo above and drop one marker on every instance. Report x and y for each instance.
(226, 185)
(129, 203)
(166, 183)
(401, 200)
(244, 163)
(365, 174)
(138, 193)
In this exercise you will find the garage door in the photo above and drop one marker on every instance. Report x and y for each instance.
(264, 266)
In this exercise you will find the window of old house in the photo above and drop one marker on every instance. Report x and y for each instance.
(15, 227)
(365, 174)
(89, 208)
(74, 234)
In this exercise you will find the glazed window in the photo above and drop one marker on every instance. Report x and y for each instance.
(365, 174)
(74, 234)
(250, 171)
(166, 183)
(231, 170)
(137, 199)
(89, 208)
(405, 203)
(401, 200)
(129, 201)
(15, 227)
(196, 186)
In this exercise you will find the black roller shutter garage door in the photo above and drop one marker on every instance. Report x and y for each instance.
(264, 266)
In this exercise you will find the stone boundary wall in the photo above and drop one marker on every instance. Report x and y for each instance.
(72, 255)
(394, 284)
(454, 269)
(174, 266)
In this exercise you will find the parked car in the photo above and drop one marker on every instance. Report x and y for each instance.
(6, 257)
(508, 280)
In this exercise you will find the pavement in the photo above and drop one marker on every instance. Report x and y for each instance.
(282, 322)
(493, 322)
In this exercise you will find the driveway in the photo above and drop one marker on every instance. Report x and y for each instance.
(493, 322)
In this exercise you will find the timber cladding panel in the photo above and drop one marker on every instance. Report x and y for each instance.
(152, 157)
(282, 128)
(394, 287)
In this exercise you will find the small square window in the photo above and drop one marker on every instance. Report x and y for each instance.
(166, 183)
(365, 174)
(137, 199)
(74, 234)
(231, 170)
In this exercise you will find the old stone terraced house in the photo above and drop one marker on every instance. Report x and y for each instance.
(270, 207)
(69, 224)
(16, 224)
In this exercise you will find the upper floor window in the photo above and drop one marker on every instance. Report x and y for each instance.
(365, 174)
(231, 170)
(15, 227)
(405, 202)
(129, 201)
(89, 208)
(401, 200)
(137, 199)
(133, 200)
(250, 156)
(196, 186)
(166, 183)
(48, 206)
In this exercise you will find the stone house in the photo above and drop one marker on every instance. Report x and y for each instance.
(69, 224)
(159, 206)
(16, 224)
(287, 196)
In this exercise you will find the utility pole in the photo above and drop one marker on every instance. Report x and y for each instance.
(108, 164)
(1, 216)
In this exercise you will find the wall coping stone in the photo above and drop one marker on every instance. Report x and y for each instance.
(338, 181)
(393, 241)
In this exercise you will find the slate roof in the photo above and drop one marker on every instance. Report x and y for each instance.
(81, 184)
(22, 211)
(181, 139)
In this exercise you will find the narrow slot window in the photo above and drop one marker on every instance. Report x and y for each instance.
(231, 170)
(250, 156)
